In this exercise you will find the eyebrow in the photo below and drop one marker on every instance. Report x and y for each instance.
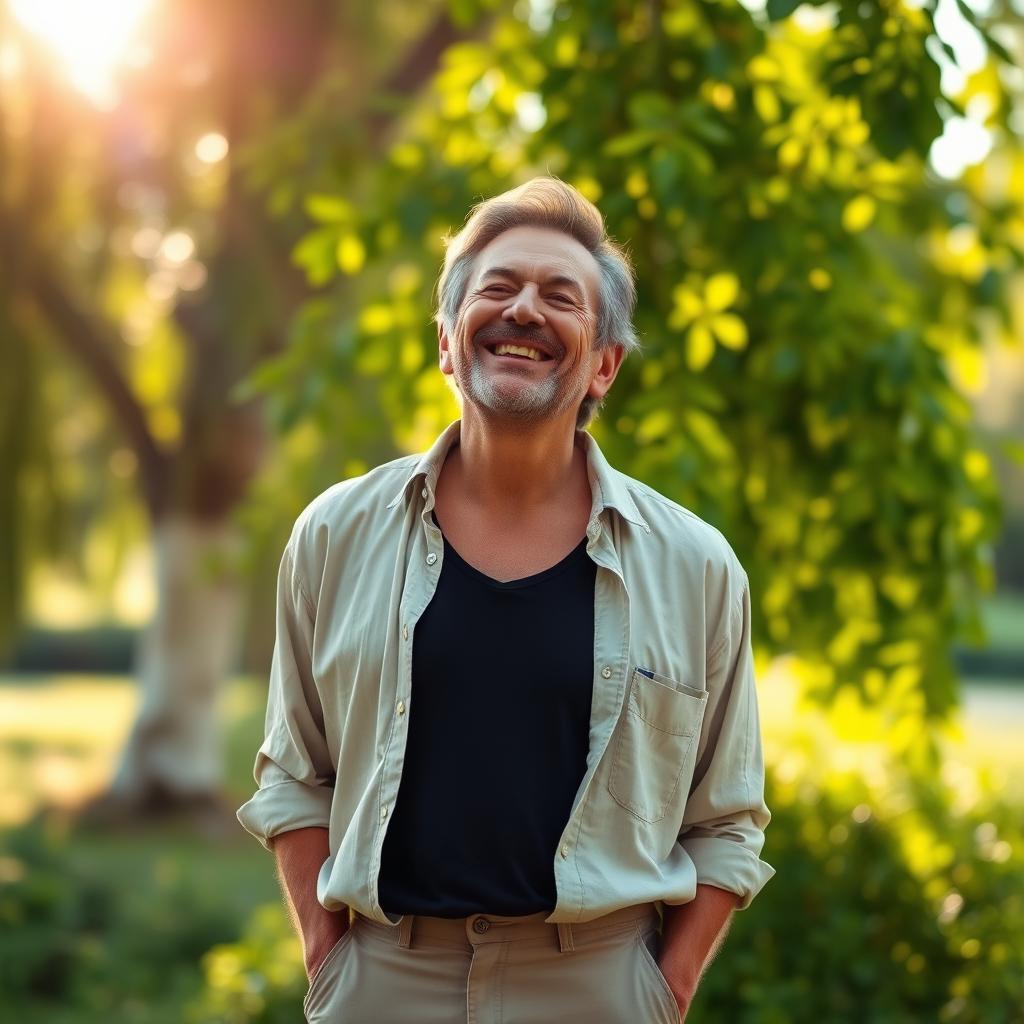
(556, 279)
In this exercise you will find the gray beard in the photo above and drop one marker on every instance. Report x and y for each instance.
(529, 402)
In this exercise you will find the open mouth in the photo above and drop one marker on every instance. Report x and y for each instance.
(524, 353)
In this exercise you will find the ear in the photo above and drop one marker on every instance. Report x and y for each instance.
(606, 367)
(444, 353)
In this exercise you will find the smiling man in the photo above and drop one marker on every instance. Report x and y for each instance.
(513, 767)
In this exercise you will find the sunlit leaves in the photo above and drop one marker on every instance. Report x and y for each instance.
(702, 312)
(350, 253)
(816, 134)
(328, 208)
(858, 213)
(315, 254)
(799, 338)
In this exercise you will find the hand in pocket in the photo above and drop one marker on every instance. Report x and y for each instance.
(319, 946)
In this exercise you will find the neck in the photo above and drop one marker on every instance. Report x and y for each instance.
(507, 472)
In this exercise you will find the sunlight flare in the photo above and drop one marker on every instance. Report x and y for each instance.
(90, 41)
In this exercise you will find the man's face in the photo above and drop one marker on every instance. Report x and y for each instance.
(535, 288)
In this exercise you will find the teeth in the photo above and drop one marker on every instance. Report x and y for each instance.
(517, 350)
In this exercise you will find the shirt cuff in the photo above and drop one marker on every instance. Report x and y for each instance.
(728, 865)
(285, 806)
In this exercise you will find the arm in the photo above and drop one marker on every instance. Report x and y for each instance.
(692, 933)
(723, 824)
(290, 812)
(300, 854)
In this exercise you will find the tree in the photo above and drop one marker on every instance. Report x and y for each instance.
(810, 298)
(139, 240)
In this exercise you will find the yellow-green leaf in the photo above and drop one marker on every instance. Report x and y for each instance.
(567, 49)
(654, 425)
(700, 346)
(688, 306)
(720, 291)
(376, 319)
(858, 213)
(351, 253)
(328, 209)
(730, 330)
(708, 434)
(766, 102)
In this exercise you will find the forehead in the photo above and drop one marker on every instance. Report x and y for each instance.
(538, 254)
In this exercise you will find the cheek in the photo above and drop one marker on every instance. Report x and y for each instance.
(472, 317)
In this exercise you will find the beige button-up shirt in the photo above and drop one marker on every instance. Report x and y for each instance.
(673, 792)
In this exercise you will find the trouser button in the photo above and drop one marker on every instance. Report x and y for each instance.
(480, 925)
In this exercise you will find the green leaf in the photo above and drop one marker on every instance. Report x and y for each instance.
(651, 110)
(315, 253)
(330, 209)
(630, 142)
(779, 9)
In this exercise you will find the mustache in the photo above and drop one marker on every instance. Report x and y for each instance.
(513, 333)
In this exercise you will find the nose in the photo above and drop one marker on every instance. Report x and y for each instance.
(524, 307)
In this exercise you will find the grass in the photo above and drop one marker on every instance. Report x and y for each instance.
(179, 894)
(59, 738)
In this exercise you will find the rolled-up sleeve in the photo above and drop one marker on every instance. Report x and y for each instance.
(725, 817)
(293, 769)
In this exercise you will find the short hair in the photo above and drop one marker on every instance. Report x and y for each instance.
(545, 202)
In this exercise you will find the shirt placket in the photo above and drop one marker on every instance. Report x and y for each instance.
(423, 570)
(611, 657)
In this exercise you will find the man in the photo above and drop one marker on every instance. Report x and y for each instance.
(512, 724)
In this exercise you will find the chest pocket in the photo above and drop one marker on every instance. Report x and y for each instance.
(655, 746)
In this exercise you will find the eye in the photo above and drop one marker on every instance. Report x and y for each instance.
(561, 298)
(495, 288)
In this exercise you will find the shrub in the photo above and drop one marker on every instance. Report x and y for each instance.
(890, 908)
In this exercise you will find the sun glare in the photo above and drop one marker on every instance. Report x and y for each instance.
(90, 40)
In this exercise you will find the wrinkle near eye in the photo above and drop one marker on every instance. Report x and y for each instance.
(582, 317)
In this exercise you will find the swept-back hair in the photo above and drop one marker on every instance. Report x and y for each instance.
(546, 202)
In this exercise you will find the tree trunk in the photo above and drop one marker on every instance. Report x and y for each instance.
(174, 754)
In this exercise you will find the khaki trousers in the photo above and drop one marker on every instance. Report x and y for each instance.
(487, 969)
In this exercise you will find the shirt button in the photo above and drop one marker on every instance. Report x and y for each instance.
(431, 558)
(481, 925)
(565, 851)
(423, 493)
(401, 707)
(606, 672)
(383, 813)
(405, 632)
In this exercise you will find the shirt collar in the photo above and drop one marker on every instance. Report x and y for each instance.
(607, 485)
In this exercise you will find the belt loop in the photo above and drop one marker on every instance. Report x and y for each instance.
(405, 931)
(565, 944)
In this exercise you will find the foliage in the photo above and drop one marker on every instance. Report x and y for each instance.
(889, 907)
(893, 907)
(260, 977)
(893, 900)
(143, 266)
(807, 298)
(79, 934)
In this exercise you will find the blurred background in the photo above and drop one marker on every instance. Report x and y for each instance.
(220, 225)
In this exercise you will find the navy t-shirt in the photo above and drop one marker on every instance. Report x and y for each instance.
(499, 724)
